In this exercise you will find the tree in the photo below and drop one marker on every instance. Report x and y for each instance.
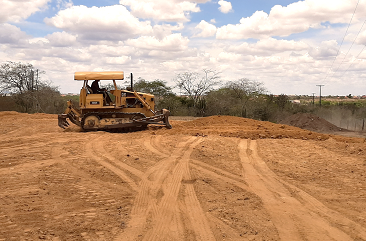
(282, 100)
(28, 91)
(164, 97)
(194, 85)
(156, 87)
(244, 90)
(17, 78)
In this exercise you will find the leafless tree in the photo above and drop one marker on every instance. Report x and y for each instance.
(18, 77)
(195, 85)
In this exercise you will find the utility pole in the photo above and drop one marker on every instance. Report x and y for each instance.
(313, 98)
(37, 81)
(320, 95)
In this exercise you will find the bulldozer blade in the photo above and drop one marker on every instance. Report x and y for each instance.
(62, 121)
(166, 114)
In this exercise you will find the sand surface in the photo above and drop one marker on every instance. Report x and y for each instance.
(213, 178)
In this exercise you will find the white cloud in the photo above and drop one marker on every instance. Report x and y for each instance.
(115, 50)
(61, 39)
(100, 23)
(118, 60)
(327, 49)
(15, 11)
(10, 34)
(225, 6)
(163, 10)
(229, 57)
(207, 29)
(72, 55)
(268, 46)
(294, 18)
(171, 43)
(259, 25)
(275, 45)
(361, 39)
(160, 31)
(39, 41)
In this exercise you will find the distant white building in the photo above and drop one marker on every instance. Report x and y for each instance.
(295, 101)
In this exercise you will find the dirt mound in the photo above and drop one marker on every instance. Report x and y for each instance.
(226, 126)
(231, 126)
(311, 122)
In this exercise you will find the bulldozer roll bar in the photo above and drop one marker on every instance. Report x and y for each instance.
(109, 75)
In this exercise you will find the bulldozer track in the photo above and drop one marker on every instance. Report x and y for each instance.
(131, 125)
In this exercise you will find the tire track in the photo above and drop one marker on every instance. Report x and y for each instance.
(232, 181)
(293, 219)
(219, 173)
(312, 203)
(87, 193)
(149, 145)
(101, 150)
(191, 204)
(146, 198)
(90, 148)
(195, 212)
(165, 221)
(10, 230)
(167, 177)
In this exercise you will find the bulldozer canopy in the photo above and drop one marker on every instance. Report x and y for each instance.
(109, 75)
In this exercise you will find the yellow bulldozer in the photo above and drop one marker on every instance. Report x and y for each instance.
(115, 109)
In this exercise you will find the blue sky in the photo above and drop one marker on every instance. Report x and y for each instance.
(290, 46)
(241, 9)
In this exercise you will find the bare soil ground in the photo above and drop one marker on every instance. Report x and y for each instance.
(214, 178)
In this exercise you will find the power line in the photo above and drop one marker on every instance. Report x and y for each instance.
(353, 61)
(350, 47)
(342, 40)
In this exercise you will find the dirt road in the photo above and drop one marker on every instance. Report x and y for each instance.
(216, 178)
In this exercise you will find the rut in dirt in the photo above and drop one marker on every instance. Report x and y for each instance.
(295, 219)
(166, 178)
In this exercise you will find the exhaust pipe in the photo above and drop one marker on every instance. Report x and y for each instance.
(131, 82)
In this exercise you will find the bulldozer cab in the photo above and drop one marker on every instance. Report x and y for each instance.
(89, 99)
(119, 98)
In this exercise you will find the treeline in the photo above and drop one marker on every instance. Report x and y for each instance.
(202, 95)
(196, 94)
